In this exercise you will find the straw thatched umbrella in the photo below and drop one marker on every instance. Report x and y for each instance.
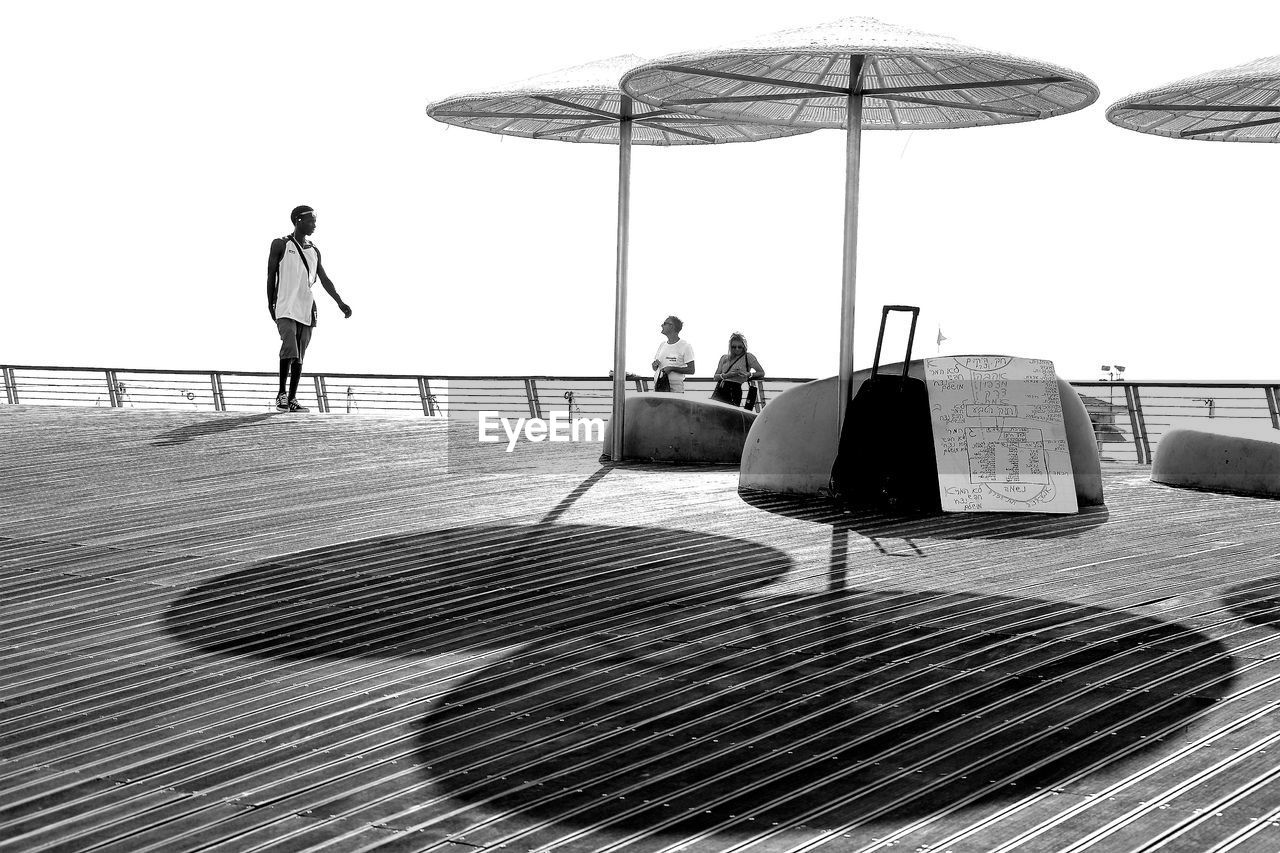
(1240, 104)
(859, 73)
(584, 104)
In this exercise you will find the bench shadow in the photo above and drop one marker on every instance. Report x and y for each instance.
(940, 525)
(835, 709)
(207, 426)
(645, 466)
(896, 535)
(1257, 601)
(464, 588)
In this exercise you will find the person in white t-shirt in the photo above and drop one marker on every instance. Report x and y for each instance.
(674, 356)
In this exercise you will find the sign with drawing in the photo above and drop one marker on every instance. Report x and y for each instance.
(999, 436)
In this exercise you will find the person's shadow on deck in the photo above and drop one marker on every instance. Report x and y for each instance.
(207, 426)
(652, 684)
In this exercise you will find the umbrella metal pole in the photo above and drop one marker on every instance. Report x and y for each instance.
(620, 293)
(848, 283)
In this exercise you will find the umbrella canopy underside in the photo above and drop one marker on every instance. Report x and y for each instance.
(907, 80)
(1240, 104)
(585, 104)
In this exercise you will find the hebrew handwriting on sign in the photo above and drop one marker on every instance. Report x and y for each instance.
(999, 435)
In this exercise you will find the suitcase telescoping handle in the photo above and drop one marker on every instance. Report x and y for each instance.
(911, 337)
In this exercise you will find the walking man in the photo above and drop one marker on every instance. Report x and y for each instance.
(292, 268)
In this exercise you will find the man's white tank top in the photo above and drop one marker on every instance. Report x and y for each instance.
(294, 281)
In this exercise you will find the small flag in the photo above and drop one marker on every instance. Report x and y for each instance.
(941, 338)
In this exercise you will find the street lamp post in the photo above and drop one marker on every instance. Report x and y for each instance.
(1114, 373)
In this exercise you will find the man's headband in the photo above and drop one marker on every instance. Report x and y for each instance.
(299, 212)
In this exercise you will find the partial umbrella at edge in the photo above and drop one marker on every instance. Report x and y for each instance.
(1240, 104)
(859, 73)
(585, 104)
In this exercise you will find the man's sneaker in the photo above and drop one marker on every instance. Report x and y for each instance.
(282, 402)
(294, 407)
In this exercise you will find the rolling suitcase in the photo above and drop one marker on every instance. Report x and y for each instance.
(886, 458)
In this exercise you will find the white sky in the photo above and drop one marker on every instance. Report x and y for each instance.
(151, 151)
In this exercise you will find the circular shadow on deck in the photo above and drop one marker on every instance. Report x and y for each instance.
(484, 586)
(831, 710)
(1257, 602)
(940, 525)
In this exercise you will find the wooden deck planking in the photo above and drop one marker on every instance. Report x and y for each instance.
(264, 655)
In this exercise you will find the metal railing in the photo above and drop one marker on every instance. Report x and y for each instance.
(333, 393)
(1128, 417)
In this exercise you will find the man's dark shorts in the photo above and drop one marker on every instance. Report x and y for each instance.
(294, 337)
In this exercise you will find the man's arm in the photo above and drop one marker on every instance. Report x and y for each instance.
(273, 271)
(332, 291)
(687, 367)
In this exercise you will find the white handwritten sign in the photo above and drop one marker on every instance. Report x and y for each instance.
(999, 436)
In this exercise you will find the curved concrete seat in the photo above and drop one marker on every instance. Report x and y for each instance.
(1239, 460)
(792, 445)
(681, 428)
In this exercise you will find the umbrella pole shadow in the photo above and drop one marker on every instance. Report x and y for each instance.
(838, 564)
(570, 499)
(838, 569)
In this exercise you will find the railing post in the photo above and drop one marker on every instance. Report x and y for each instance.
(112, 393)
(760, 400)
(1273, 404)
(1138, 423)
(322, 397)
(10, 385)
(215, 383)
(424, 393)
(642, 383)
(531, 390)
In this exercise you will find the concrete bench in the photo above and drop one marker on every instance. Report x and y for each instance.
(682, 428)
(1240, 460)
(792, 446)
